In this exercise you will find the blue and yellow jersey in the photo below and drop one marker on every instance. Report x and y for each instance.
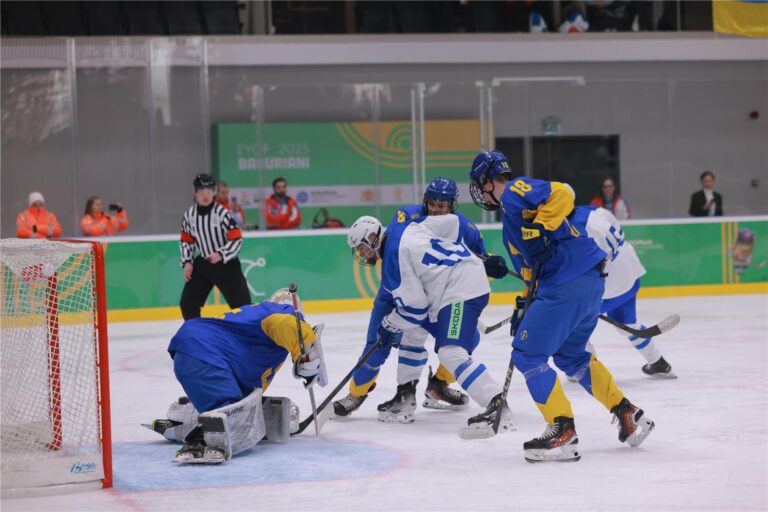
(546, 203)
(251, 341)
(470, 235)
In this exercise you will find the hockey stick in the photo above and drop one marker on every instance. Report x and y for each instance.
(665, 325)
(323, 406)
(485, 329)
(292, 290)
(511, 368)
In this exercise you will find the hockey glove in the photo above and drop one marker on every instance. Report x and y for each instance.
(388, 335)
(495, 266)
(517, 316)
(538, 242)
(307, 368)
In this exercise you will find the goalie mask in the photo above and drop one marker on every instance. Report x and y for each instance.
(365, 237)
(283, 296)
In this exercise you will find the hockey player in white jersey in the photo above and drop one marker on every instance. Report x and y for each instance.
(436, 283)
(623, 282)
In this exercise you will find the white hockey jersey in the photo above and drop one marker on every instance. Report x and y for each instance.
(623, 266)
(425, 267)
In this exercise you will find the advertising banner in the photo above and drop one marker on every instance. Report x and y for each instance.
(352, 169)
(147, 274)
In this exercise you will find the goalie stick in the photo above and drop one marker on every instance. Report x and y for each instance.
(665, 325)
(323, 410)
(293, 290)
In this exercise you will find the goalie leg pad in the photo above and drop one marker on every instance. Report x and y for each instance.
(277, 418)
(180, 420)
(236, 427)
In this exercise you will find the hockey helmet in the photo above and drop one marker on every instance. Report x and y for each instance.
(284, 296)
(204, 181)
(485, 167)
(364, 238)
(444, 190)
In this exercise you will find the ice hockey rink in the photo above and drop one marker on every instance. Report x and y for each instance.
(708, 451)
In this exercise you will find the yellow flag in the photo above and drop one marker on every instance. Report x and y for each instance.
(741, 17)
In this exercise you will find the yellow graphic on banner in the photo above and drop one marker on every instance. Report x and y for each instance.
(744, 18)
(448, 143)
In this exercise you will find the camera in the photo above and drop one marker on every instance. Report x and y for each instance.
(114, 207)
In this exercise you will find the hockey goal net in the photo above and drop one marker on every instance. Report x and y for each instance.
(54, 388)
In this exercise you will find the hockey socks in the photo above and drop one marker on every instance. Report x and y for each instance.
(472, 376)
(646, 347)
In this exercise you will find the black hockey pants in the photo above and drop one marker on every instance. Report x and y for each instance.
(227, 277)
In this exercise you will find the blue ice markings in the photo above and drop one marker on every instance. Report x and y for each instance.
(148, 467)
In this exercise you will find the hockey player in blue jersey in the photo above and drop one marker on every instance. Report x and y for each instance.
(623, 282)
(435, 282)
(565, 309)
(224, 365)
(440, 198)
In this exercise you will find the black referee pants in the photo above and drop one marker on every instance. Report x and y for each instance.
(227, 277)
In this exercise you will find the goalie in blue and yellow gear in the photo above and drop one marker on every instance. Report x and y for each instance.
(565, 308)
(225, 365)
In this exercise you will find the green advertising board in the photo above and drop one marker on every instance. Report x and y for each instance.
(351, 169)
(145, 274)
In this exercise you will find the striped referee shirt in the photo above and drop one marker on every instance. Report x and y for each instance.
(209, 229)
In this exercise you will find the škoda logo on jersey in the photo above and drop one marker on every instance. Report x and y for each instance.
(454, 327)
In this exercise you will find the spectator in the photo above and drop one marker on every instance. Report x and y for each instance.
(36, 221)
(210, 243)
(610, 199)
(706, 202)
(97, 223)
(281, 211)
(222, 198)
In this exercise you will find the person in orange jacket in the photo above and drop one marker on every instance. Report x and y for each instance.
(222, 198)
(97, 223)
(281, 210)
(36, 221)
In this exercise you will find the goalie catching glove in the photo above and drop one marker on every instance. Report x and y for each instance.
(311, 366)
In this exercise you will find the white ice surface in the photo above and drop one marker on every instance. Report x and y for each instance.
(708, 451)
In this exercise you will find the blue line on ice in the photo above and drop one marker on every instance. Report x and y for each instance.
(148, 467)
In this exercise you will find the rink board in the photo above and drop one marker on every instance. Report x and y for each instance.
(682, 257)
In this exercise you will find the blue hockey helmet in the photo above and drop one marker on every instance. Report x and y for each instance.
(485, 167)
(442, 189)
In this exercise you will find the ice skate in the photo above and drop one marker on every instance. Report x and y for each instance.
(195, 451)
(347, 405)
(402, 407)
(481, 425)
(634, 425)
(442, 397)
(661, 369)
(558, 443)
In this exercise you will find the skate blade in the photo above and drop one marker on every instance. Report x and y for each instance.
(199, 461)
(431, 403)
(397, 418)
(568, 453)
(662, 376)
(643, 430)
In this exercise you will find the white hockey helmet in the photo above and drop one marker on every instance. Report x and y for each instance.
(364, 237)
(283, 296)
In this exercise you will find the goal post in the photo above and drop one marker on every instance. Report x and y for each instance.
(55, 432)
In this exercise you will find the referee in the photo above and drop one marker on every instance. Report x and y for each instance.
(209, 230)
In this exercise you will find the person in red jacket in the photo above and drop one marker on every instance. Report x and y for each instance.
(36, 221)
(281, 211)
(610, 199)
(97, 223)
